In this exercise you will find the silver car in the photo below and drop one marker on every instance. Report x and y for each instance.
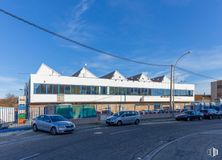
(55, 124)
(124, 117)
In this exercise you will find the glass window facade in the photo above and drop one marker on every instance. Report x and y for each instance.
(103, 90)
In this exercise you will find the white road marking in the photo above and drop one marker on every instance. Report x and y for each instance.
(151, 123)
(152, 154)
(29, 157)
(123, 131)
(98, 133)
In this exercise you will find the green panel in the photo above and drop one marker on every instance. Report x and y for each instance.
(21, 116)
(65, 110)
(76, 111)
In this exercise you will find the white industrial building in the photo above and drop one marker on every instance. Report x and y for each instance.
(47, 87)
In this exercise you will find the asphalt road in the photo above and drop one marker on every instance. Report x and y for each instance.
(155, 140)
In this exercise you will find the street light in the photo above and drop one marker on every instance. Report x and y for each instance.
(173, 74)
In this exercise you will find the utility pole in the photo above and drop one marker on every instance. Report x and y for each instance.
(171, 89)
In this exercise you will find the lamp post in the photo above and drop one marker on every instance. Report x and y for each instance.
(172, 80)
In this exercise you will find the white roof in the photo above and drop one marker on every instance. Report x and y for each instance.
(46, 70)
(84, 73)
(162, 78)
(139, 77)
(114, 75)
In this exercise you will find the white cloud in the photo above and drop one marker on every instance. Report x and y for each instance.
(204, 60)
(10, 85)
(76, 27)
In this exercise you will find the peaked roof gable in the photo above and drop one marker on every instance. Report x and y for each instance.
(84, 73)
(139, 77)
(114, 75)
(162, 78)
(46, 70)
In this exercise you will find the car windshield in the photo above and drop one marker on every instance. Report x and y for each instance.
(57, 118)
(118, 114)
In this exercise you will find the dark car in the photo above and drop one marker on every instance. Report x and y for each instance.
(219, 114)
(189, 115)
(209, 113)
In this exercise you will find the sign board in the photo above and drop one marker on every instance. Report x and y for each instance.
(21, 109)
(60, 98)
(22, 100)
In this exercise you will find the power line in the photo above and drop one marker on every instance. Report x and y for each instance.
(96, 49)
(78, 43)
(197, 74)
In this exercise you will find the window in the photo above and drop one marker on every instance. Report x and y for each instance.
(75, 89)
(61, 89)
(82, 89)
(88, 89)
(50, 88)
(67, 89)
(115, 91)
(95, 90)
(103, 90)
(55, 89)
(37, 88)
(129, 91)
(43, 88)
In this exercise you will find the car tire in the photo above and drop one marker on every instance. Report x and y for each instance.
(137, 122)
(35, 128)
(119, 123)
(53, 131)
(200, 118)
(188, 119)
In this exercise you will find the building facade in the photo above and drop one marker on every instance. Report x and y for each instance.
(114, 92)
(216, 90)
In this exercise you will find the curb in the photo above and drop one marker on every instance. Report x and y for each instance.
(15, 129)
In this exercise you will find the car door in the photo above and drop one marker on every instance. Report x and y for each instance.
(124, 118)
(129, 117)
(46, 124)
(132, 117)
(39, 122)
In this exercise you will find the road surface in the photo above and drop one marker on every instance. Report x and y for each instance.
(149, 140)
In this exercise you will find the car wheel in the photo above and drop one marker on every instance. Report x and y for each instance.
(211, 117)
(53, 131)
(119, 123)
(137, 122)
(200, 118)
(188, 119)
(35, 128)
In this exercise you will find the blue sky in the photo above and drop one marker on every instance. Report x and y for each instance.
(155, 31)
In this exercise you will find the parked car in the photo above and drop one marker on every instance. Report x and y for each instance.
(189, 115)
(209, 113)
(124, 117)
(107, 112)
(219, 114)
(55, 124)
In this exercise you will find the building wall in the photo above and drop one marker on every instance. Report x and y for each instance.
(216, 89)
(50, 98)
